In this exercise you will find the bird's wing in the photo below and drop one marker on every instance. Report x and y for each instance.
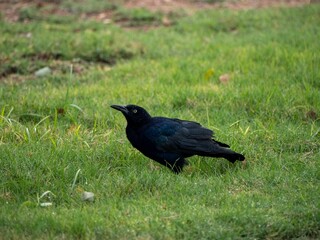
(185, 137)
(190, 138)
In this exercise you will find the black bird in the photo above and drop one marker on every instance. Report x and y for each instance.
(169, 141)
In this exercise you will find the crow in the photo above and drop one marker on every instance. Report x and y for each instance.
(169, 140)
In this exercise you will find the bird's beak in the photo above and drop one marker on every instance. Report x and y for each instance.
(122, 109)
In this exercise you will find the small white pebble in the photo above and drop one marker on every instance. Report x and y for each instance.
(46, 204)
(88, 196)
(43, 71)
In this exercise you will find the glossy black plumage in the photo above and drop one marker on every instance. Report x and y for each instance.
(169, 141)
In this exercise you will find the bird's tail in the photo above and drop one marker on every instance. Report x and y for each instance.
(232, 157)
(225, 152)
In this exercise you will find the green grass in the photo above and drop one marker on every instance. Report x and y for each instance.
(51, 127)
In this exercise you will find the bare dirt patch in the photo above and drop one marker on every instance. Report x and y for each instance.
(252, 4)
(167, 6)
(11, 10)
(191, 6)
(169, 9)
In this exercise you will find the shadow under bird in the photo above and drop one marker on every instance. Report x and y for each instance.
(169, 140)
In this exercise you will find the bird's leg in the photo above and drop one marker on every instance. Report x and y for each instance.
(177, 166)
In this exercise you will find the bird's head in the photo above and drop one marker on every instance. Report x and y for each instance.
(135, 115)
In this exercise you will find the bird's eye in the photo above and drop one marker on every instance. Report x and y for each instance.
(134, 110)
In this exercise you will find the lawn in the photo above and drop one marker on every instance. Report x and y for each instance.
(252, 76)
